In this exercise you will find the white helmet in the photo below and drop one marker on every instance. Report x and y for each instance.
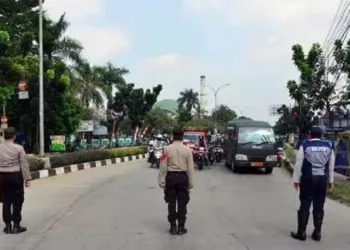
(159, 137)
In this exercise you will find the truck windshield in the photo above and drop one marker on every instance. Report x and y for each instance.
(191, 137)
(256, 135)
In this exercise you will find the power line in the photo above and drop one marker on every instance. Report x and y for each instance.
(333, 22)
(338, 30)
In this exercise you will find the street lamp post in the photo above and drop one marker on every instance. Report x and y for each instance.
(41, 81)
(216, 101)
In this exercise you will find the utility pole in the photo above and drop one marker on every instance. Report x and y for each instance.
(41, 81)
(216, 101)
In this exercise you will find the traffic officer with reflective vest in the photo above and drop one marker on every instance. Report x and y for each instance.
(313, 175)
(176, 175)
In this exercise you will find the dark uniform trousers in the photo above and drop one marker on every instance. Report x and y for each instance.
(13, 197)
(177, 193)
(313, 190)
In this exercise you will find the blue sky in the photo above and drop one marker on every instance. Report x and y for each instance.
(173, 42)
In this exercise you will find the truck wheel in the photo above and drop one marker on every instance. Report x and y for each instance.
(234, 168)
(268, 170)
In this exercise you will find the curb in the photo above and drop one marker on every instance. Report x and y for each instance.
(40, 174)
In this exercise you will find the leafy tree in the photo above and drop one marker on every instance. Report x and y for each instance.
(183, 116)
(188, 99)
(224, 114)
(133, 103)
(200, 124)
(311, 77)
(110, 76)
(160, 120)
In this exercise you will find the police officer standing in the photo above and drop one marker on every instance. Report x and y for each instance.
(14, 174)
(176, 178)
(313, 175)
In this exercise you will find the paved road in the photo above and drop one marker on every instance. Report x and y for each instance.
(114, 208)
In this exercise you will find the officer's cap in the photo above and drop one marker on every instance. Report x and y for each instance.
(316, 130)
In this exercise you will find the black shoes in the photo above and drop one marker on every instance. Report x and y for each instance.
(173, 229)
(181, 230)
(316, 235)
(303, 219)
(8, 229)
(318, 220)
(17, 229)
(298, 236)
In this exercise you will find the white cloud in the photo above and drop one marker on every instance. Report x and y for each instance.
(272, 25)
(101, 43)
(262, 11)
(174, 71)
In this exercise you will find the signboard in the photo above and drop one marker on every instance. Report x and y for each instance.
(100, 130)
(58, 143)
(86, 126)
(23, 95)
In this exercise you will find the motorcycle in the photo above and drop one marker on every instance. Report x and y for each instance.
(218, 153)
(280, 157)
(158, 151)
(211, 155)
(150, 151)
(200, 158)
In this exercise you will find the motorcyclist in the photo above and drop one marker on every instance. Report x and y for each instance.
(150, 147)
(159, 141)
(202, 144)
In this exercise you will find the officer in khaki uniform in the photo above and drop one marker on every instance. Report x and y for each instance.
(176, 178)
(14, 174)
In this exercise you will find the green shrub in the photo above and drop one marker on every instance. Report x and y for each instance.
(35, 163)
(93, 155)
(290, 154)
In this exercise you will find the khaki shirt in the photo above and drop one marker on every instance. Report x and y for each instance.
(14, 159)
(178, 157)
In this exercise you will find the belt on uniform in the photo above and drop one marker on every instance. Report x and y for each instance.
(176, 172)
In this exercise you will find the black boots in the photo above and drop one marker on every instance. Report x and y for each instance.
(303, 219)
(318, 219)
(17, 229)
(181, 230)
(8, 229)
(173, 229)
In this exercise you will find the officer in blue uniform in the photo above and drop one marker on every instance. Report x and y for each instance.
(313, 175)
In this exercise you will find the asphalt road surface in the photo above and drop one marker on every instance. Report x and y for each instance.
(121, 207)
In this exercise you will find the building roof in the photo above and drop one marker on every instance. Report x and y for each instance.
(167, 105)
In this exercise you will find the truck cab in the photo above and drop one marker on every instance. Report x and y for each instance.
(191, 137)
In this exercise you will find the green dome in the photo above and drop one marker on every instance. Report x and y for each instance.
(167, 105)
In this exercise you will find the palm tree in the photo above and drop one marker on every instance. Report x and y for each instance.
(58, 46)
(86, 83)
(188, 99)
(110, 77)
